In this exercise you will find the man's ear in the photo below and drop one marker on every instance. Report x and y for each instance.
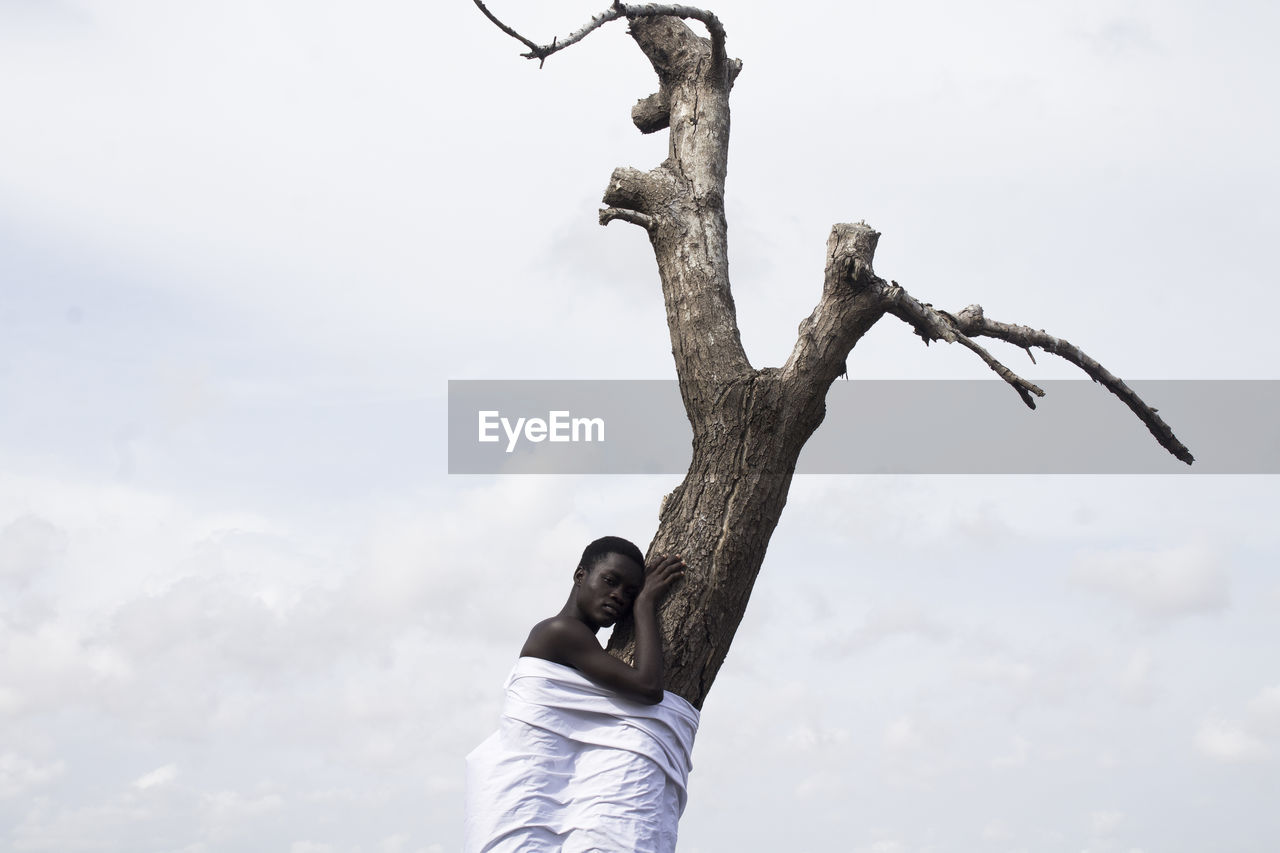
(578, 574)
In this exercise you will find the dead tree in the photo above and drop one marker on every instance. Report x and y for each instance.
(749, 424)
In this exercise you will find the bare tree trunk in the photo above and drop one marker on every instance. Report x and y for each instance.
(749, 425)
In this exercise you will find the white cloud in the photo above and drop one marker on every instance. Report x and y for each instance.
(1252, 738)
(157, 778)
(395, 844)
(18, 775)
(53, 664)
(915, 753)
(883, 623)
(1136, 680)
(29, 546)
(1121, 35)
(60, 826)
(232, 806)
(1163, 583)
(1105, 822)
(806, 738)
(1017, 755)
(886, 845)
(1264, 711)
(903, 734)
(1228, 742)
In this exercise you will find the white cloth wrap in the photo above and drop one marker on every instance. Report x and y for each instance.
(574, 767)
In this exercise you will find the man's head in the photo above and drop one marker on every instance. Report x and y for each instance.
(605, 545)
(607, 580)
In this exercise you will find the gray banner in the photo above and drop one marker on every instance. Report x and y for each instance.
(874, 427)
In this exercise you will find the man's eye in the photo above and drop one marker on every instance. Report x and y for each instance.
(610, 581)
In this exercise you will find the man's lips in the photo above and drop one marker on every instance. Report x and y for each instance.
(611, 608)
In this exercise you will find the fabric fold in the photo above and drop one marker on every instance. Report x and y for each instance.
(575, 767)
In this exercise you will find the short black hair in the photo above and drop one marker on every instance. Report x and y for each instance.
(606, 545)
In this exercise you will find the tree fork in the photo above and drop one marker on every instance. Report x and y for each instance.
(721, 519)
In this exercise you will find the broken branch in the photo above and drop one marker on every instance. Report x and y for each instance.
(609, 214)
(974, 322)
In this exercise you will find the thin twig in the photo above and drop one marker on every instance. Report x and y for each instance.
(932, 325)
(1024, 388)
(613, 13)
(515, 35)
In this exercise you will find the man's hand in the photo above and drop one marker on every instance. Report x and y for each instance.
(659, 576)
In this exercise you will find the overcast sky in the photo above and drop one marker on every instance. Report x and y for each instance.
(243, 247)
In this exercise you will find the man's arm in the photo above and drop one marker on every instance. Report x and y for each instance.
(658, 579)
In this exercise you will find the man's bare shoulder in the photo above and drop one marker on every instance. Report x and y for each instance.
(557, 639)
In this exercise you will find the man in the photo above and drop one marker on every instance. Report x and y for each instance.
(591, 754)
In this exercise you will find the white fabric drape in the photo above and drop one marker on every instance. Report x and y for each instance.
(574, 767)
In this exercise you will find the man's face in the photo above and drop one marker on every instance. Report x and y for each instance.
(608, 589)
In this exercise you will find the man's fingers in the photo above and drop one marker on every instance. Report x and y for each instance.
(660, 575)
(667, 561)
(669, 571)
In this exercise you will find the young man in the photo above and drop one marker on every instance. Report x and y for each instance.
(610, 581)
(590, 754)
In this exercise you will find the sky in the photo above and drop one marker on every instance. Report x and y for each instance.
(244, 247)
